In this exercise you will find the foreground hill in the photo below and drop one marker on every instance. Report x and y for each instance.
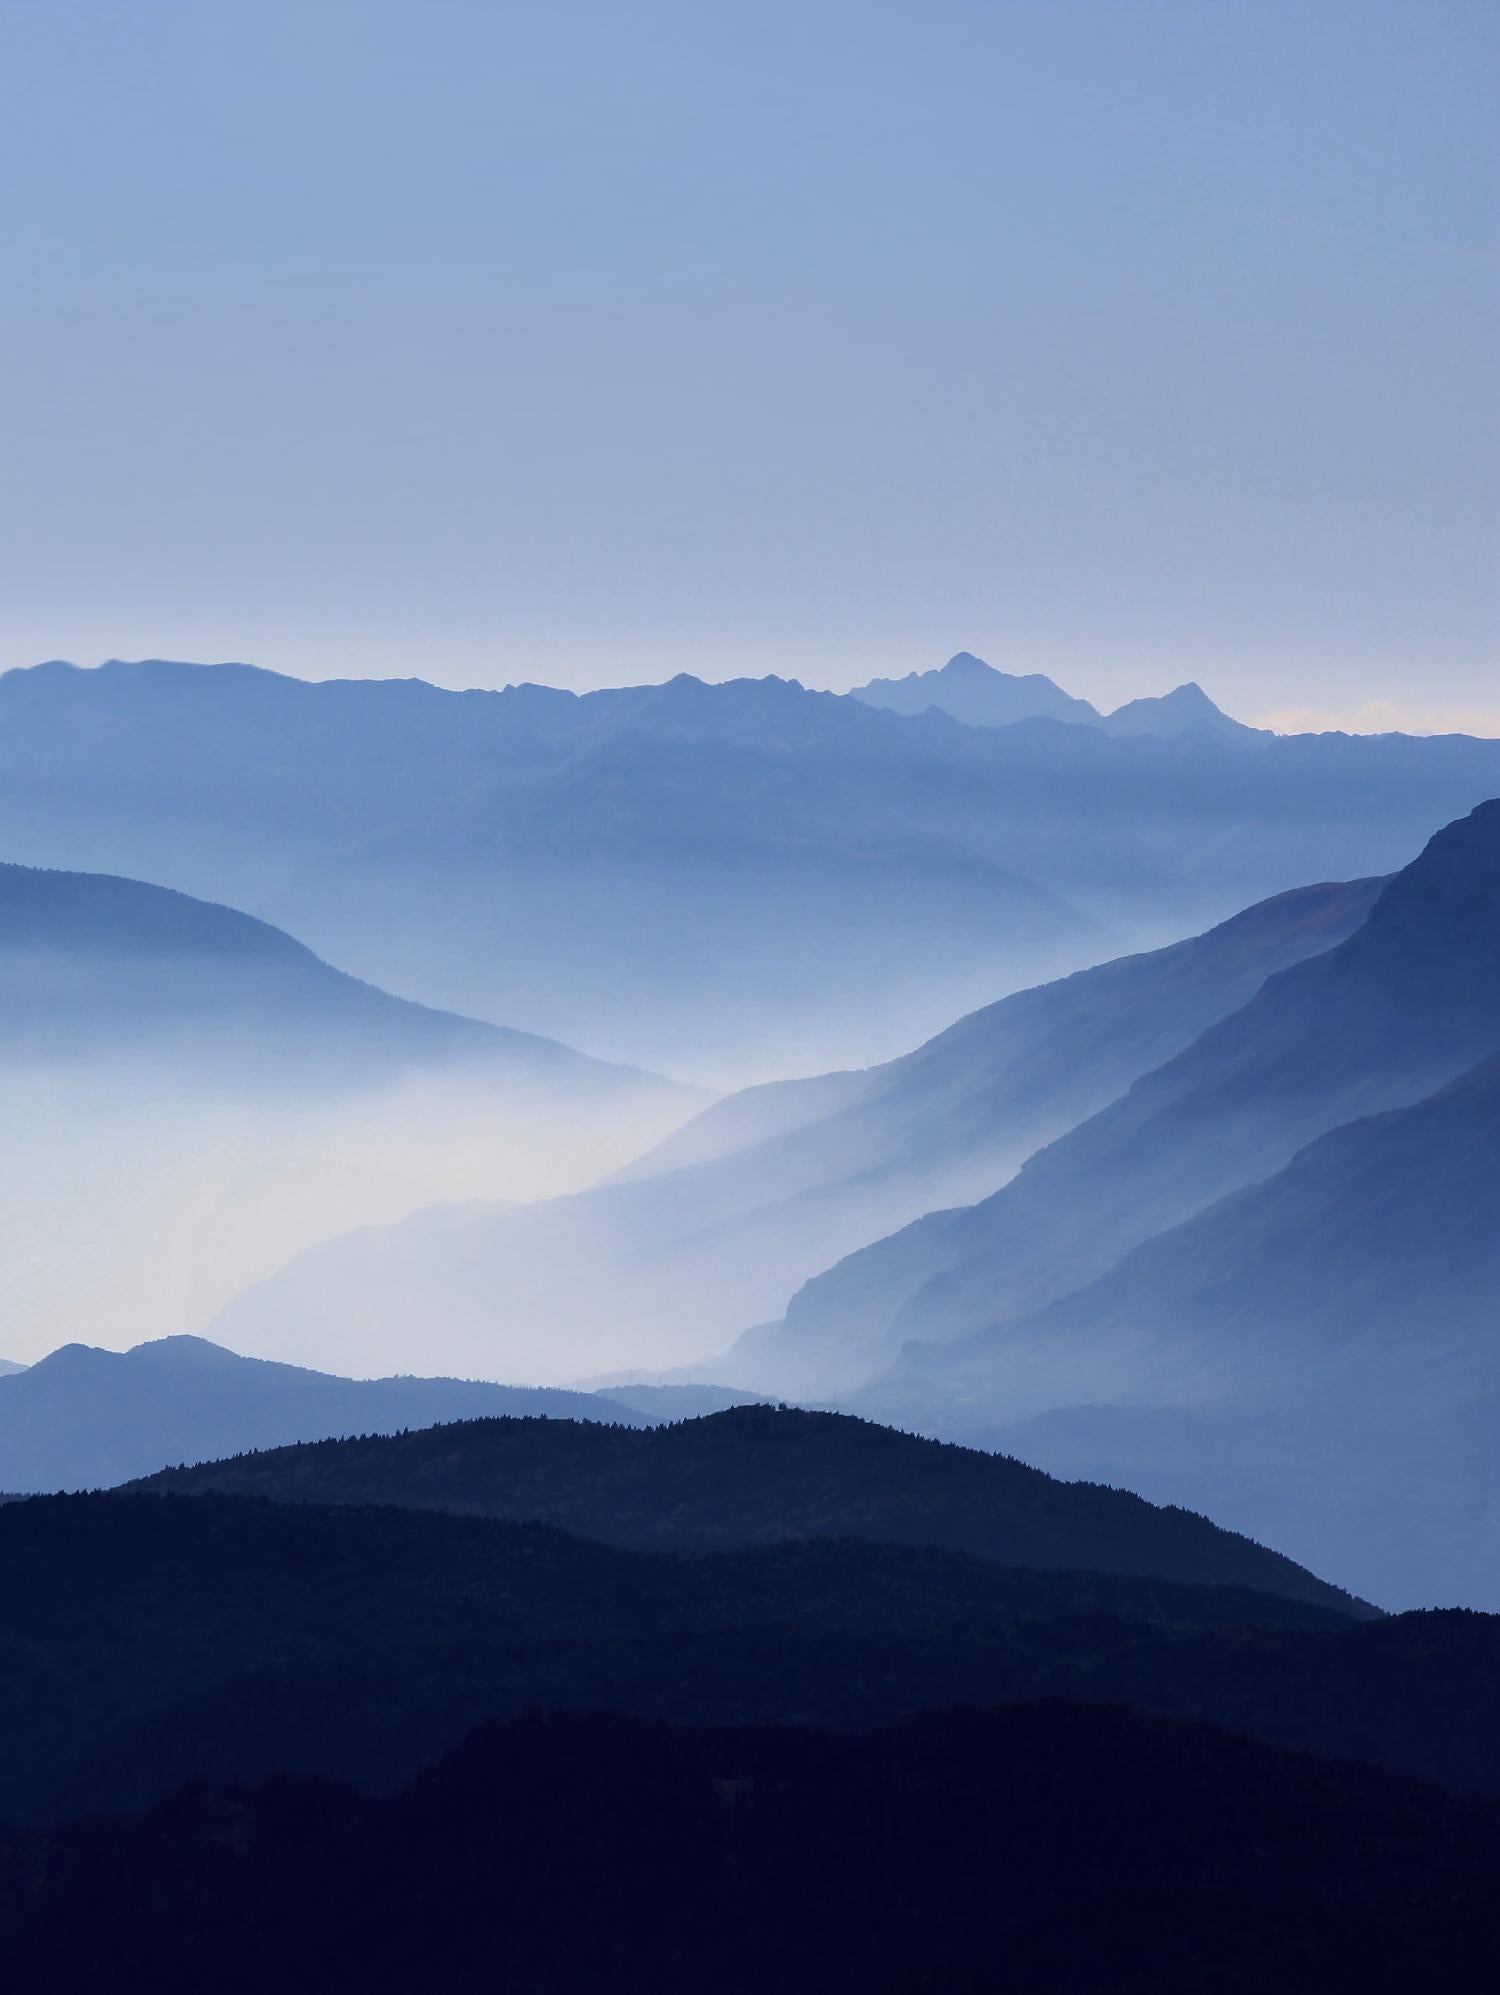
(84, 1418)
(149, 1639)
(727, 882)
(758, 1475)
(955, 1851)
(718, 1225)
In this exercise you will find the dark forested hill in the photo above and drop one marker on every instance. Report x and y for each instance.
(148, 1639)
(1047, 1848)
(757, 1475)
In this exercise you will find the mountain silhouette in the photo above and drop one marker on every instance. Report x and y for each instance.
(977, 694)
(728, 882)
(1312, 1358)
(93, 966)
(980, 696)
(83, 1418)
(1186, 709)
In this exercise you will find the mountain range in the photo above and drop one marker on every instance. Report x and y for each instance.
(727, 882)
(979, 695)
(83, 1418)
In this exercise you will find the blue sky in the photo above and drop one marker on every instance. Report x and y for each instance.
(1122, 340)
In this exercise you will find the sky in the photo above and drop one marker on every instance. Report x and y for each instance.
(1127, 340)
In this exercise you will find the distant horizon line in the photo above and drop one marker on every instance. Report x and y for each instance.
(1372, 718)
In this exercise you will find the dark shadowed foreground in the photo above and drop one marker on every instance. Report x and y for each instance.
(1046, 1847)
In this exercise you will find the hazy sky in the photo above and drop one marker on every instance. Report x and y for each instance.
(1123, 340)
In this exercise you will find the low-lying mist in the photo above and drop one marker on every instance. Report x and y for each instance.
(137, 1206)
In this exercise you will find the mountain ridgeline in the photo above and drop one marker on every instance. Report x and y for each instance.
(758, 1475)
(594, 868)
(979, 695)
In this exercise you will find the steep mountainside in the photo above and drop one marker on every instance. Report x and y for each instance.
(1404, 1005)
(716, 1227)
(1315, 1359)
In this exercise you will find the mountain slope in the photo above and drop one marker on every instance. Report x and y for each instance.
(1405, 1004)
(1186, 709)
(93, 966)
(85, 1418)
(1316, 1358)
(717, 1226)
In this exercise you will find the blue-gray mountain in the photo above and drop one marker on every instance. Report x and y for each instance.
(749, 879)
(1315, 1358)
(201, 1096)
(979, 695)
(83, 1418)
(97, 968)
(718, 1225)
(1402, 1006)
(1266, 1280)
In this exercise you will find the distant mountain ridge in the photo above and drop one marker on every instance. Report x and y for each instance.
(84, 1418)
(982, 696)
(977, 694)
(593, 868)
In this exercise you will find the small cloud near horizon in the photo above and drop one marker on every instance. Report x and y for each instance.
(1378, 717)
